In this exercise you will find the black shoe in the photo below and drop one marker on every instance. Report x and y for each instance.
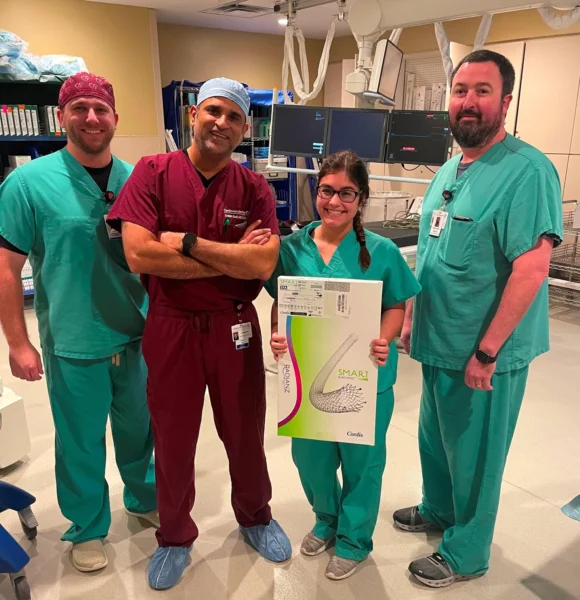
(435, 572)
(410, 519)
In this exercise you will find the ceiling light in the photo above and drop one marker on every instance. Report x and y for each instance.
(283, 21)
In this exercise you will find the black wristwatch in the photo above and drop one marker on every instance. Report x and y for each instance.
(484, 358)
(188, 242)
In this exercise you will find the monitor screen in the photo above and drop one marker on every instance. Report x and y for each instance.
(362, 131)
(299, 130)
(419, 137)
(390, 71)
(386, 69)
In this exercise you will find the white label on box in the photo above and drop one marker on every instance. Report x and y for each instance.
(301, 298)
(11, 122)
(16, 118)
(4, 116)
(29, 126)
(35, 126)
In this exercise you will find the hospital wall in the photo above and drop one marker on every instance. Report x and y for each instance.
(199, 53)
(118, 42)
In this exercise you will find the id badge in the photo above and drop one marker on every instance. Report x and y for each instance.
(241, 335)
(438, 222)
(112, 233)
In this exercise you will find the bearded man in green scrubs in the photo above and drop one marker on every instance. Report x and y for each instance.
(91, 313)
(490, 219)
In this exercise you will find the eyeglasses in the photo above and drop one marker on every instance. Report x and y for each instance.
(326, 193)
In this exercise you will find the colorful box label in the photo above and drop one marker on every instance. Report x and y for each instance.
(327, 381)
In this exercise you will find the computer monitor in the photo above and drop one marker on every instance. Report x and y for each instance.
(364, 131)
(299, 130)
(386, 69)
(418, 137)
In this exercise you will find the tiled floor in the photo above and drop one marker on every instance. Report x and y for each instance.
(536, 552)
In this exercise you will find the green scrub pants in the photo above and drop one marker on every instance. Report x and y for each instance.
(83, 393)
(464, 439)
(349, 513)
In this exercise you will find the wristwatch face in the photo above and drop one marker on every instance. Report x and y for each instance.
(484, 358)
(189, 240)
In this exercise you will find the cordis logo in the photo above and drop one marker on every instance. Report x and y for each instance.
(286, 378)
(353, 374)
(352, 434)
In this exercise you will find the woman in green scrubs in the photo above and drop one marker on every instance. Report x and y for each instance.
(338, 246)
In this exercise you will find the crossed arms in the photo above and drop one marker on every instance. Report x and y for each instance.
(253, 257)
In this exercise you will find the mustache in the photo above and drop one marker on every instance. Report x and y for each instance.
(468, 113)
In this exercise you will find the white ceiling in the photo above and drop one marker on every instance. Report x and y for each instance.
(314, 22)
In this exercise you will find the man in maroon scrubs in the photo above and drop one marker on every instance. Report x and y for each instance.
(189, 223)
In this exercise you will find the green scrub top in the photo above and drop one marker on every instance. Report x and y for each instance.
(499, 209)
(299, 257)
(89, 305)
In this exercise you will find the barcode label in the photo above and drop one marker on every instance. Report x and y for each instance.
(336, 286)
(342, 307)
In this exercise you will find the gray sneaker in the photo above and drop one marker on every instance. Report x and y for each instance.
(410, 519)
(341, 568)
(313, 545)
(434, 571)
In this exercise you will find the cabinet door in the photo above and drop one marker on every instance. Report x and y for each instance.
(560, 161)
(514, 52)
(549, 93)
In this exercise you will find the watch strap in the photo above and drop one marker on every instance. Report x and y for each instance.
(484, 357)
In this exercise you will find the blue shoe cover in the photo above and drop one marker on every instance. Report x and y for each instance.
(269, 540)
(167, 566)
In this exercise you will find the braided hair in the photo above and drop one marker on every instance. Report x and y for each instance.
(354, 168)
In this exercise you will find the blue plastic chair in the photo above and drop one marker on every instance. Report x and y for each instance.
(13, 558)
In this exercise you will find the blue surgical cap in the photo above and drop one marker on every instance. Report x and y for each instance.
(225, 88)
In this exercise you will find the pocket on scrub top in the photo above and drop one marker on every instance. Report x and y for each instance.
(234, 231)
(71, 239)
(457, 249)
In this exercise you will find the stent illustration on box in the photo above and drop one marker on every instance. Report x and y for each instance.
(327, 381)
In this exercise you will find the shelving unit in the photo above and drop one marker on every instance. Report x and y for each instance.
(39, 94)
(564, 284)
(280, 182)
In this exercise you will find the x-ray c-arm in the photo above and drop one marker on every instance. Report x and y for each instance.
(368, 17)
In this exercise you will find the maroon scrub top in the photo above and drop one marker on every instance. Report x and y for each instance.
(165, 193)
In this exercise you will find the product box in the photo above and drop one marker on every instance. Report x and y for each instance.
(438, 96)
(58, 127)
(22, 116)
(327, 381)
(18, 161)
(4, 119)
(35, 119)
(48, 120)
(409, 90)
(16, 119)
(28, 115)
(423, 98)
(9, 125)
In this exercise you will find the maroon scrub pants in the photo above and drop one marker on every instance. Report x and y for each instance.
(185, 352)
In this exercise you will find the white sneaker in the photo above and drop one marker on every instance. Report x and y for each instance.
(341, 568)
(151, 517)
(313, 545)
(89, 556)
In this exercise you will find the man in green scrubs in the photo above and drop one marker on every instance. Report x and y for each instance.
(91, 312)
(490, 219)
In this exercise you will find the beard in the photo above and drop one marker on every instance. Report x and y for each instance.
(477, 133)
(78, 140)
